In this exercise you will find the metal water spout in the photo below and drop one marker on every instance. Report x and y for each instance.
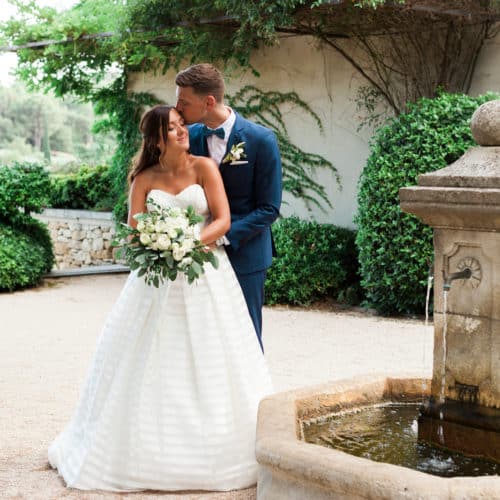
(464, 274)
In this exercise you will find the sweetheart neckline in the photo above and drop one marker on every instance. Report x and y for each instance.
(176, 194)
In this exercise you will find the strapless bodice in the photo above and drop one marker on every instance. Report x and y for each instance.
(191, 195)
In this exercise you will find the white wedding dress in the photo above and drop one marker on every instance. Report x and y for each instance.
(171, 397)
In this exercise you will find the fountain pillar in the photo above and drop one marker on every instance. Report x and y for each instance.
(462, 204)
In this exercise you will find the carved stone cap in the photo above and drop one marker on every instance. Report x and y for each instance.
(479, 167)
(485, 124)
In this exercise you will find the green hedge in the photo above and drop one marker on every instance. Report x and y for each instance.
(89, 188)
(25, 244)
(23, 186)
(25, 254)
(394, 248)
(314, 261)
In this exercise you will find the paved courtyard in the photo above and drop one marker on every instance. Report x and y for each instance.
(48, 335)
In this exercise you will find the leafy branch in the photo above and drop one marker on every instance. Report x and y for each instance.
(299, 167)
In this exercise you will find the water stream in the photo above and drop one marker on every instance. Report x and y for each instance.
(427, 299)
(430, 279)
(445, 329)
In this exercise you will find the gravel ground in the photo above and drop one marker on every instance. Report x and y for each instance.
(48, 336)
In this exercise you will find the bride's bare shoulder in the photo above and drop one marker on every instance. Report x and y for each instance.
(144, 179)
(202, 164)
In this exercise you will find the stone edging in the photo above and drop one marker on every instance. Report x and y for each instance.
(291, 468)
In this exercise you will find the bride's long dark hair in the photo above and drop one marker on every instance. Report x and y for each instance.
(153, 122)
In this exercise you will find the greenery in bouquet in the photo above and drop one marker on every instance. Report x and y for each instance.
(164, 243)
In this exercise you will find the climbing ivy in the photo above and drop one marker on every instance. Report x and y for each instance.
(122, 111)
(298, 166)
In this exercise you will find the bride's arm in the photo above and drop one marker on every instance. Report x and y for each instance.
(136, 199)
(213, 186)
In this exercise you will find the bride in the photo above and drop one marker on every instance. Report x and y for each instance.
(171, 397)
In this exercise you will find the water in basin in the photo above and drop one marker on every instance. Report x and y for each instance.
(388, 433)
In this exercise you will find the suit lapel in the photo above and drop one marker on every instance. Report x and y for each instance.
(234, 137)
(199, 142)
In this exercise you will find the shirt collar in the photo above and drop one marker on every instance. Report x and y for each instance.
(228, 124)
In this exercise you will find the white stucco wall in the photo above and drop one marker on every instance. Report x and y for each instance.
(328, 84)
(487, 74)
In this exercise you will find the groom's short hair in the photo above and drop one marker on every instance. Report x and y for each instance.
(204, 79)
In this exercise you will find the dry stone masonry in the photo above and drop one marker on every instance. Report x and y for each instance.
(79, 237)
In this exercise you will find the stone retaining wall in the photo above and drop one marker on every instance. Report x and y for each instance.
(80, 237)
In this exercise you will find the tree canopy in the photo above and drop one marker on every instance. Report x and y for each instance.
(82, 49)
(75, 51)
(42, 128)
(406, 49)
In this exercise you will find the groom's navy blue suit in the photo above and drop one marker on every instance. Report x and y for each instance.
(254, 193)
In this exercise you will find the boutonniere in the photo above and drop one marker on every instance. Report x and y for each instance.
(236, 154)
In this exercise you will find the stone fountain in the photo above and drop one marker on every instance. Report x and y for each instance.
(462, 203)
(462, 410)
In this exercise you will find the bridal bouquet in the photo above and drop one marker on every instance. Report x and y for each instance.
(164, 244)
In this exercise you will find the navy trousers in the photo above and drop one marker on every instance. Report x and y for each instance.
(253, 289)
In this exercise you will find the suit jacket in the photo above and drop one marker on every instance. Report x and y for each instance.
(254, 192)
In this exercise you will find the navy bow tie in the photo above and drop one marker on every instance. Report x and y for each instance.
(219, 132)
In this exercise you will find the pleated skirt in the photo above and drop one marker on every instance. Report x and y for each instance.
(171, 397)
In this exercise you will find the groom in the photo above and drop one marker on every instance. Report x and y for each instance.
(250, 166)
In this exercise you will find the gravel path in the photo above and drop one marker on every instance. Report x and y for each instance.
(48, 336)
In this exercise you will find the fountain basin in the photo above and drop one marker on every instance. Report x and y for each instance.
(291, 469)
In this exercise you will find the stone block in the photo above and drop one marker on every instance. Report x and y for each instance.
(60, 247)
(97, 244)
(80, 256)
(75, 244)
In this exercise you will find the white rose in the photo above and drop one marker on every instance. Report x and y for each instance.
(163, 242)
(150, 227)
(145, 239)
(154, 246)
(172, 232)
(178, 254)
(141, 226)
(186, 261)
(182, 222)
(161, 226)
(237, 154)
(187, 245)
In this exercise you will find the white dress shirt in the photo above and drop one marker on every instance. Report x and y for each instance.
(216, 149)
(217, 146)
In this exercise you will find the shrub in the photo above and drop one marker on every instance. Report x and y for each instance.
(25, 186)
(87, 189)
(314, 260)
(25, 244)
(25, 254)
(395, 248)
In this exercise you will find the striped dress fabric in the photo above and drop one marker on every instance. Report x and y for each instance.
(171, 396)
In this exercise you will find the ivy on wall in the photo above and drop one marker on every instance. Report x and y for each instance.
(299, 167)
